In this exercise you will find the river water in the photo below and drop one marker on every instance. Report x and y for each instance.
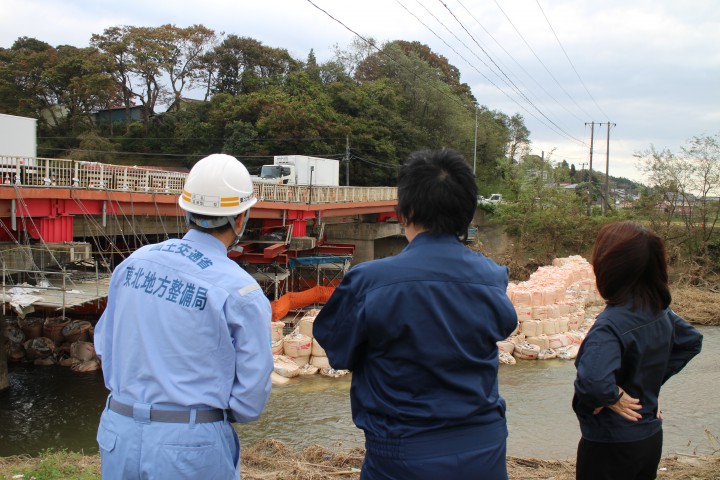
(54, 407)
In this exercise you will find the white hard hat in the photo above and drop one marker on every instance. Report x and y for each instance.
(219, 186)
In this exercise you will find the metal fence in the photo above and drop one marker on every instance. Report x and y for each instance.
(53, 172)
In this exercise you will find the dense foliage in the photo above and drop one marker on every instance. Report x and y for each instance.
(370, 103)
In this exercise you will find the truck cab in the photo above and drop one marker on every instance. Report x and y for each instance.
(278, 174)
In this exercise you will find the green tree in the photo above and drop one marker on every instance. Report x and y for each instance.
(22, 86)
(245, 65)
(689, 185)
(519, 142)
(187, 61)
(113, 42)
(78, 81)
(312, 68)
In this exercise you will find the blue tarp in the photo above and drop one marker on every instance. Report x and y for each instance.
(318, 260)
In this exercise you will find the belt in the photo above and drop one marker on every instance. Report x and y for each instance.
(170, 416)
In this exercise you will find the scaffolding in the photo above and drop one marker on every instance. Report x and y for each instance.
(322, 270)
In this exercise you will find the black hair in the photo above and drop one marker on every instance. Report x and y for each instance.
(437, 190)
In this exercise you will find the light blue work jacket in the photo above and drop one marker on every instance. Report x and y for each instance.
(185, 325)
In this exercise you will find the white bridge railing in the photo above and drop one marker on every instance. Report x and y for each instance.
(53, 172)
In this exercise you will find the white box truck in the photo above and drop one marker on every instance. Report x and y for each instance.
(18, 136)
(18, 147)
(301, 170)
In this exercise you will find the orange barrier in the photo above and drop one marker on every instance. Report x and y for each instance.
(293, 300)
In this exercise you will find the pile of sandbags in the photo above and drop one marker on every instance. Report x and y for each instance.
(555, 308)
(51, 341)
(302, 350)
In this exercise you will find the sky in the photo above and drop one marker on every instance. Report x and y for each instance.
(649, 68)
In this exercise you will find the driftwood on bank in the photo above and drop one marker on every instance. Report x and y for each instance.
(273, 460)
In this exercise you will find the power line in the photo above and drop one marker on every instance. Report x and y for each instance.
(568, 59)
(561, 130)
(377, 164)
(531, 77)
(539, 60)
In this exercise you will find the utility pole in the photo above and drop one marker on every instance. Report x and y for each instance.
(347, 160)
(606, 204)
(592, 132)
(475, 144)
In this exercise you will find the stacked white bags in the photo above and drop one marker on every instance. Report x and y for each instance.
(554, 309)
(301, 350)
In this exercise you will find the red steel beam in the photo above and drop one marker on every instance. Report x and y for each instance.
(274, 250)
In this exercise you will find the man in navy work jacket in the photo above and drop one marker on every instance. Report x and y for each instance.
(185, 341)
(418, 331)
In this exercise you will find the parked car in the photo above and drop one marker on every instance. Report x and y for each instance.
(494, 199)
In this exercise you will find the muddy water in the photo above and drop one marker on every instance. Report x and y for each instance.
(55, 407)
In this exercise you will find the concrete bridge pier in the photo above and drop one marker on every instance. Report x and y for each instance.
(371, 240)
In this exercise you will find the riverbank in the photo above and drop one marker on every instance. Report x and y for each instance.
(697, 305)
(273, 460)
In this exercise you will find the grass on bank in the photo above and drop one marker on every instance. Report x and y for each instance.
(273, 460)
(51, 465)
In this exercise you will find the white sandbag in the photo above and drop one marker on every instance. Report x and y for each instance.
(308, 369)
(576, 337)
(305, 326)
(300, 361)
(541, 341)
(568, 353)
(276, 379)
(331, 372)
(83, 351)
(547, 354)
(517, 339)
(522, 298)
(87, 366)
(277, 347)
(505, 346)
(69, 362)
(563, 324)
(537, 297)
(550, 326)
(558, 340)
(276, 330)
(320, 362)
(531, 328)
(566, 307)
(297, 345)
(505, 358)
(574, 322)
(524, 313)
(317, 350)
(285, 367)
(540, 312)
(526, 351)
(553, 311)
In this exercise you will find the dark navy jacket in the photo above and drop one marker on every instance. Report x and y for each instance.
(418, 331)
(638, 351)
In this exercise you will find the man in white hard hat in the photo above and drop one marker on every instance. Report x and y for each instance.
(185, 341)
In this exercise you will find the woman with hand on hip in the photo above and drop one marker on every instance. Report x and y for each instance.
(636, 344)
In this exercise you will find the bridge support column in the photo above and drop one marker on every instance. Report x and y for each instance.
(364, 236)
